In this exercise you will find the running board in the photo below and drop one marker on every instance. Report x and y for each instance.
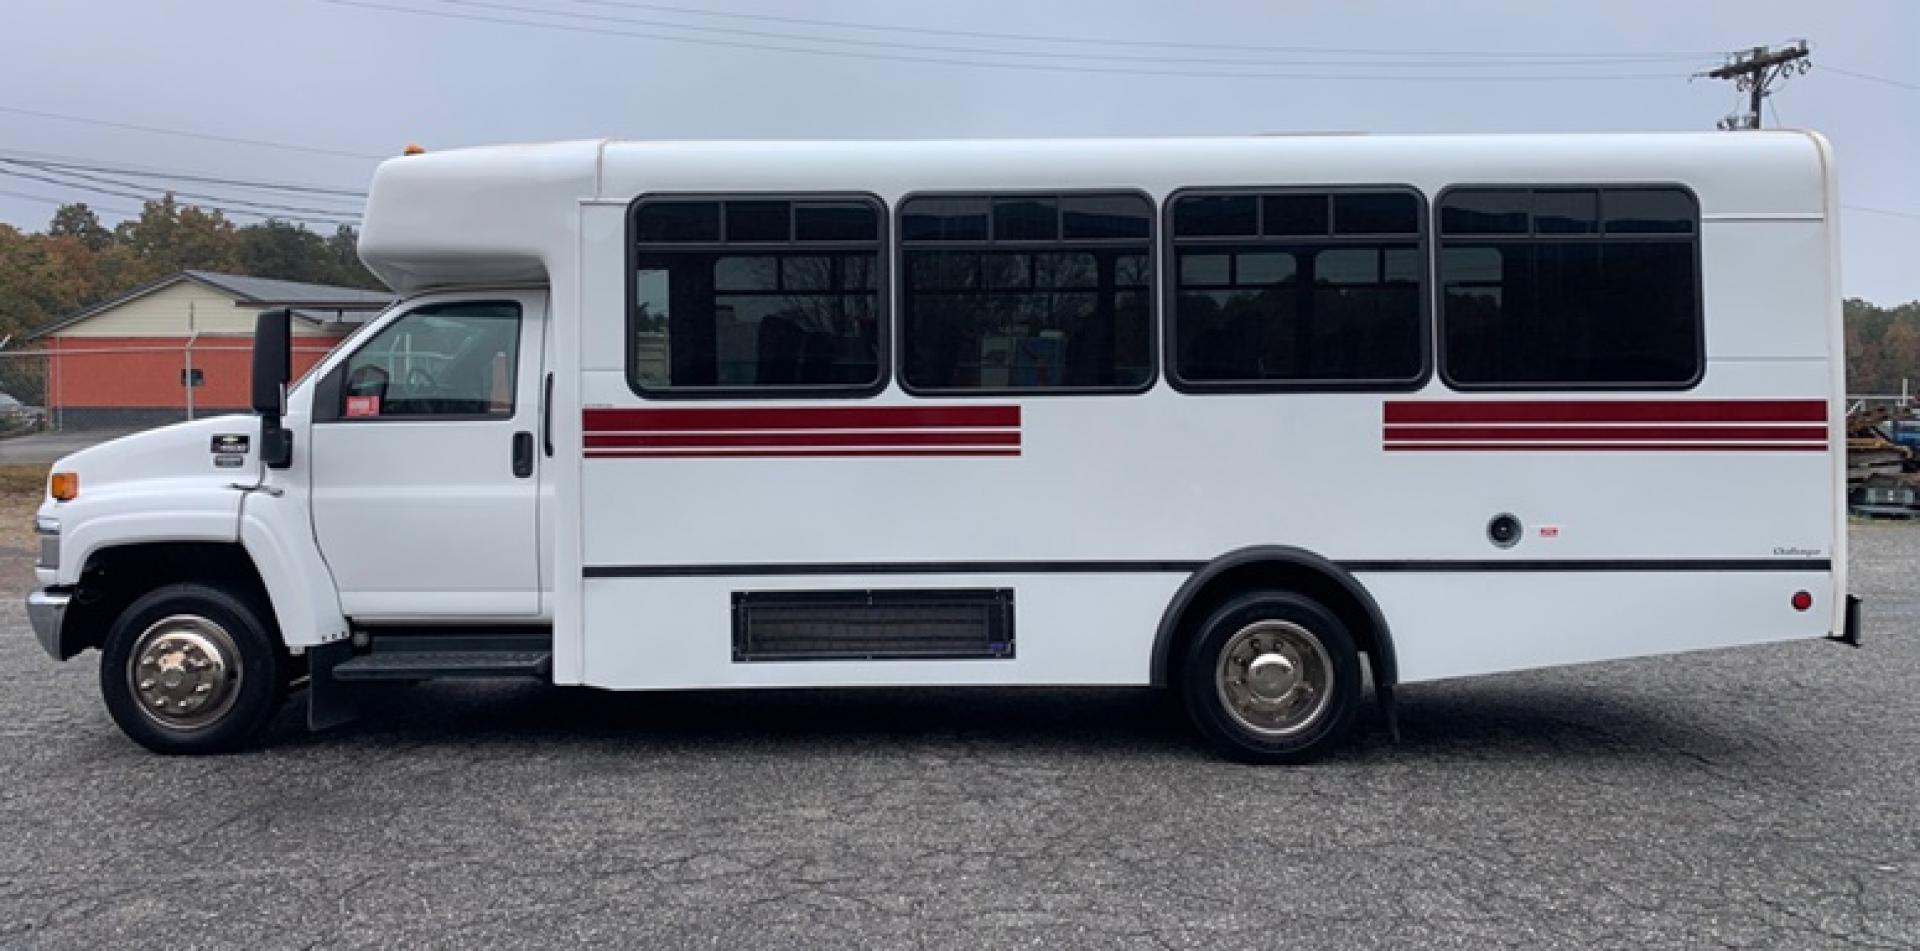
(428, 656)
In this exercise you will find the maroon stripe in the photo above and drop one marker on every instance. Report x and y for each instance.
(803, 454)
(1603, 447)
(1603, 433)
(1607, 411)
(991, 437)
(840, 417)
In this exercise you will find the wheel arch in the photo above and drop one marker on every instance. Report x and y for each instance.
(1285, 567)
(114, 576)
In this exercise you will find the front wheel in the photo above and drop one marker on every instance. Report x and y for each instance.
(191, 669)
(1272, 677)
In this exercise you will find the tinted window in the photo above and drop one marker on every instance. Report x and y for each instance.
(440, 360)
(1566, 212)
(944, 219)
(1059, 297)
(1568, 305)
(1211, 215)
(679, 221)
(1104, 216)
(1026, 219)
(1471, 211)
(788, 296)
(758, 221)
(1369, 213)
(835, 221)
(1649, 211)
(1302, 306)
(1296, 215)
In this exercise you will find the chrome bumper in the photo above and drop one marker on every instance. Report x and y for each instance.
(46, 610)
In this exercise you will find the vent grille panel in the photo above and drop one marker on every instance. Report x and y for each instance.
(946, 624)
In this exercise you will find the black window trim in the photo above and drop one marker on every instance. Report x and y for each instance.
(1150, 242)
(883, 292)
(327, 389)
(1696, 236)
(1425, 244)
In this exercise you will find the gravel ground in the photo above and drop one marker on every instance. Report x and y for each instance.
(1755, 798)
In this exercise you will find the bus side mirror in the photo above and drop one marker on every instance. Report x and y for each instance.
(272, 368)
(272, 360)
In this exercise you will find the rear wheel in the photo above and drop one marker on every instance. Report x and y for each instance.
(191, 669)
(1272, 677)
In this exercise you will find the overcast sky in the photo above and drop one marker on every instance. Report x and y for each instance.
(353, 80)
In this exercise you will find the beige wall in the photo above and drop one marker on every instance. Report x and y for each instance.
(164, 313)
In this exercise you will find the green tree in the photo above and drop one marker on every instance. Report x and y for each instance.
(283, 250)
(79, 221)
(1883, 347)
(343, 259)
(169, 237)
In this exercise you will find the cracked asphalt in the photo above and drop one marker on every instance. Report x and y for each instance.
(1753, 798)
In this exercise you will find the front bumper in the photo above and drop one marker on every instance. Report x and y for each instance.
(47, 611)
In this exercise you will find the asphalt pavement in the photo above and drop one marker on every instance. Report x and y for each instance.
(1751, 798)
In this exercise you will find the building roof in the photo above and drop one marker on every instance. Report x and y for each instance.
(355, 303)
(270, 290)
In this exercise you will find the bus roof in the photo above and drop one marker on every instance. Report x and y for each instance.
(508, 213)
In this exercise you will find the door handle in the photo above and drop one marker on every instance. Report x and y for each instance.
(522, 454)
(546, 416)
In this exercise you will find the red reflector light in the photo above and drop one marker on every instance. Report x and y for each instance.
(1802, 600)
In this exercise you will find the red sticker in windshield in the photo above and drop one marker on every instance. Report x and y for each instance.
(363, 406)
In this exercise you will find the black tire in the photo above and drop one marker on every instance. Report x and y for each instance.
(1323, 717)
(239, 705)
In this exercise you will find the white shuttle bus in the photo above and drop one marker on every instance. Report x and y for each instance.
(1279, 423)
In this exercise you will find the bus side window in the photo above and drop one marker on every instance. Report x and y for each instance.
(1027, 293)
(1297, 289)
(1570, 287)
(754, 296)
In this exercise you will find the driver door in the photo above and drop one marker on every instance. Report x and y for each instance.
(425, 470)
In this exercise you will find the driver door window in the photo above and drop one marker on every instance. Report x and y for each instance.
(455, 360)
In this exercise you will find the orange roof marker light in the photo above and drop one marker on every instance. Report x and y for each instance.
(413, 149)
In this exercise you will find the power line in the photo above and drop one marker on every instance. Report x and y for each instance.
(1869, 77)
(43, 160)
(1911, 216)
(182, 133)
(226, 199)
(985, 51)
(1162, 44)
(943, 61)
(63, 202)
(81, 186)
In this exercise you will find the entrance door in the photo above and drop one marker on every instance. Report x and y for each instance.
(425, 469)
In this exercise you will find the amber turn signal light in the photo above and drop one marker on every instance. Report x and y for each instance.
(64, 486)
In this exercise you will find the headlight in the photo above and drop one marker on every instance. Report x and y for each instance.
(49, 531)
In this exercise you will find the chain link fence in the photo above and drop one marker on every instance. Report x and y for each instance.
(77, 384)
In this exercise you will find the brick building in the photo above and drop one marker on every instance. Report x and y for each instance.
(127, 362)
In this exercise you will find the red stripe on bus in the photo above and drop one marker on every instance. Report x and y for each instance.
(1607, 411)
(841, 417)
(1604, 433)
(795, 454)
(1605, 447)
(990, 437)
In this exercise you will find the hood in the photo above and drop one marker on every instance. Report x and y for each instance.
(220, 449)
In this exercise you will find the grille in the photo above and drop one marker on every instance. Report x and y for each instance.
(873, 625)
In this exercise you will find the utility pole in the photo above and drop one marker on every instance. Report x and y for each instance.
(1754, 72)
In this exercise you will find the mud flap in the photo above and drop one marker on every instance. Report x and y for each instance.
(1850, 629)
(329, 702)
